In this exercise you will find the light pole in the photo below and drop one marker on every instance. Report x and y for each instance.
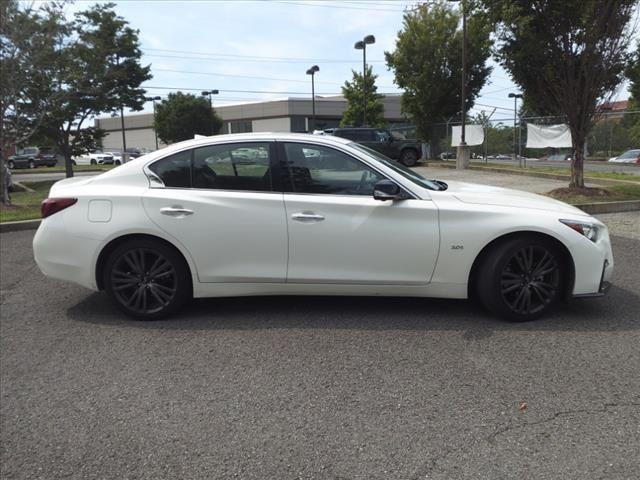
(362, 45)
(209, 93)
(155, 131)
(462, 157)
(515, 97)
(312, 71)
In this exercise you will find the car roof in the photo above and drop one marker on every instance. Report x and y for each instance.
(255, 137)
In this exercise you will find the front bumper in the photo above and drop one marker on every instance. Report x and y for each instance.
(604, 286)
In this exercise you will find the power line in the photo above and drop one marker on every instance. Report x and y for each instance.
(247, 58)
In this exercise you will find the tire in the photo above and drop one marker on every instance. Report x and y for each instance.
(117, 162)
(147, 279)
(93, 162)
(409, 157)
(522, 279)
(31, 164)
(11, 165)
(73, 162)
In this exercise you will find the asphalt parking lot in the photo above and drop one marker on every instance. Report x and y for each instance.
(326, 388)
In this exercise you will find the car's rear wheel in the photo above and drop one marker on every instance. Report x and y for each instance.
(409, 157)
(147, 279)
(11, 165)
(522, 279)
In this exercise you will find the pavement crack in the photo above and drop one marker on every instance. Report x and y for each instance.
(604, 409)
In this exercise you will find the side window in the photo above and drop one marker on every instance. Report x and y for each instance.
(322, 170)
(233, 166)
(174, 170)
(382, 136)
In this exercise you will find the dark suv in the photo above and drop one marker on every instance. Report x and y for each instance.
(406, 151)
(32, 157)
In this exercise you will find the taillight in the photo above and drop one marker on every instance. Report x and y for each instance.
(49, 206)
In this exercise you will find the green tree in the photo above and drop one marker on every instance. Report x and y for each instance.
(631, 120)
(28, 38)
(567, 57)
(95, 68)
(427, 64)
(182, 116)
(353, 92)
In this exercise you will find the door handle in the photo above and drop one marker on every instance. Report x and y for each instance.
(307, 217)
(176, 211)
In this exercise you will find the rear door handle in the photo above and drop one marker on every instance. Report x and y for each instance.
(176, 211)
(307, 217)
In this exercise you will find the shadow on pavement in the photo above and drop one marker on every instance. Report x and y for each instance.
(615, 312)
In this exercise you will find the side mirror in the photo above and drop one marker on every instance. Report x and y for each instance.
(387, 190)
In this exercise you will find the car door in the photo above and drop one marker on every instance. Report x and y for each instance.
(338, 233)
(219, 203)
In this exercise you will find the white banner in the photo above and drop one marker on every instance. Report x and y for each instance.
(473, 135)
(543, 136)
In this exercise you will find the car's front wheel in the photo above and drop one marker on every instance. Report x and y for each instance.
(32, 164)
(93, 162)
(522, 279)
(409, 157)
(147, 279)
(11, 165)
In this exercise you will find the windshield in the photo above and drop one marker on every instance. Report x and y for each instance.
(399, 168)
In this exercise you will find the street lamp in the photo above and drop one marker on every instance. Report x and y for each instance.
(515, 97)
(362, 45)
(209, 93)
(312, 71)
(155, 131)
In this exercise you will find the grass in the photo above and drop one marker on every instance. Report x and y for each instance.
(614, 193)
(26, 205)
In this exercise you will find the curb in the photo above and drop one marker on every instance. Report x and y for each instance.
(19, 226)
(609, 207)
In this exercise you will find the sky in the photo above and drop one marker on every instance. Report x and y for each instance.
(251, 50)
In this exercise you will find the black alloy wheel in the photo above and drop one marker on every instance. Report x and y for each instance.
(522, 280)
(147, 279)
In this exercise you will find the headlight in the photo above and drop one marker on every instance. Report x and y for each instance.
(589, 230)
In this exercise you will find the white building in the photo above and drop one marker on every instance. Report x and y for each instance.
(286, 115)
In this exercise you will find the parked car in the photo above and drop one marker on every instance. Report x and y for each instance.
(134, 152)
(188, 221)
(407, 152)
(117, 157)
(32, 157)
(447, 156)
(95, 158)
(558, 157)
(630, 156)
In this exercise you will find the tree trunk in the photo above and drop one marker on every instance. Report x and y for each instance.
(68, 166)
(5, 196)
(577, 161)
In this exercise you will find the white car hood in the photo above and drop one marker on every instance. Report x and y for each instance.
(506, 197)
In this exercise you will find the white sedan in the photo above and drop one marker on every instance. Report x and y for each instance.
(630, 156)
(94, 158)
(311, 215)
